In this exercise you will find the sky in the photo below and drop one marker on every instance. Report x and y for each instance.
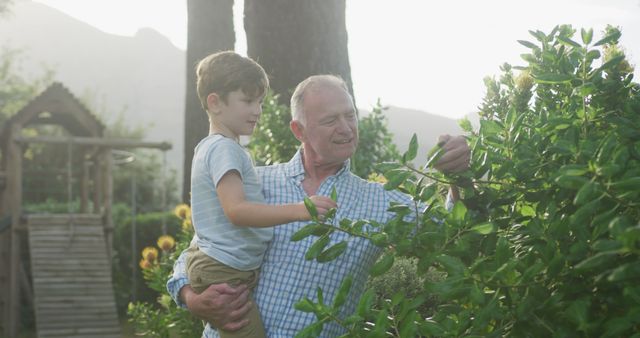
(417, 54)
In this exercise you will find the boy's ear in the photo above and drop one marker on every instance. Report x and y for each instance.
(297, 128)
(213, 103)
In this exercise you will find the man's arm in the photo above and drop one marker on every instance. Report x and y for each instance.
(220, 304)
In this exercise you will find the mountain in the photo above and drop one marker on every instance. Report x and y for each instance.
(140, 77)
(143, 77)
(404, 122)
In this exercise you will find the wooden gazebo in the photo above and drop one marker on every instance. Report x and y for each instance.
(69, 280)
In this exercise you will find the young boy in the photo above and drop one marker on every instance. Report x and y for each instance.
(231, 221)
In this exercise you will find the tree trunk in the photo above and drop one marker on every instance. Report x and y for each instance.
(210, 29)
(293, 39)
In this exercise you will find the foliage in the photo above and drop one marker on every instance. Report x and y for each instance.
(148, 229)
(403, 277)
(375, 144)
(164, 318)
(272, 141)
(546, 239)
(16, 90)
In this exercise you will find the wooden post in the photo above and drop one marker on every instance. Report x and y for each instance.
(84, 182)
(15, 194)
(108, 197)
(97, 183)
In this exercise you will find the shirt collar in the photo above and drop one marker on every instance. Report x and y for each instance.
(295, 168)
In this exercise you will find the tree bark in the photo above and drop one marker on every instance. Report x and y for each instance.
(293, 39)
(210, 29)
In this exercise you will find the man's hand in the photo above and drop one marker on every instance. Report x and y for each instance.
(456, 154)
(221, 305)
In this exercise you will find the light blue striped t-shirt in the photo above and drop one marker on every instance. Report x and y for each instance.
(239, 247)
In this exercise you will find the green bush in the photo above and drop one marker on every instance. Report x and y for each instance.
(403, 277)
(148, 229)
(546, 239)
(161, 317)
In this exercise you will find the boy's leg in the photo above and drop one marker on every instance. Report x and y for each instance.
(204, 271)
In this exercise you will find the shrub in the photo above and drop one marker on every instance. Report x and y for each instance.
(546, 239)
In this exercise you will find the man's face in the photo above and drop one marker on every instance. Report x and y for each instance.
(330, 133)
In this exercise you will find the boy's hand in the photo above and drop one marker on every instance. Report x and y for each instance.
(323, 204)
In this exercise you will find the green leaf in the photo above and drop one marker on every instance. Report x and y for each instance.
(453, 265)
(571, 182)
(311, 208)
(612, 62)
(343, 291)
(550, 78)
(386, 166)
(593, 54)
(319, 295)
(629, 271)
(609, 38)
(630, 184)
(380, 239)
(465, 124)
(304, 305)
(434, 155)
(365, 304)
(485, 228)
(332, 253)
(411, 153)
(587, 192)
(395, 178)
(527, 44)
(578, 310)
(306, 231)
(597, 261)
(382, 265)
(538, 35)
(569, 42)
(334, 194)
(574, 170)
(459, 211)
(316, 248)
(587, 35)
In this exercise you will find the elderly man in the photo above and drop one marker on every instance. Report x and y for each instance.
(326, 123)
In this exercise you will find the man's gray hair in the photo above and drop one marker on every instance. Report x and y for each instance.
(297, 99)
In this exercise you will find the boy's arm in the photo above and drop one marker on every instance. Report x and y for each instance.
(243, 213)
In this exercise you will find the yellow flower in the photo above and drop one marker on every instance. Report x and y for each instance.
(182, 211)
(145, 264)
(150, 254)
(375, 177)
(166, 242)
(187, 226)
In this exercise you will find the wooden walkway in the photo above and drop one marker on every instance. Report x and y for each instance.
(73, 291)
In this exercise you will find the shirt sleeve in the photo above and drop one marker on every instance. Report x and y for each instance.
(178, 279)
(224, 157)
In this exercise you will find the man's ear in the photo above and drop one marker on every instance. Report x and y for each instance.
(297, 128)
(213, 103)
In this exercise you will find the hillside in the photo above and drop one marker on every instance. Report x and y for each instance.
(142, 78)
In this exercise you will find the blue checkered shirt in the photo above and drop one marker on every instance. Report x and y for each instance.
(286, 277)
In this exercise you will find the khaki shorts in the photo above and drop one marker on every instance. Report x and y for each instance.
(203, 271)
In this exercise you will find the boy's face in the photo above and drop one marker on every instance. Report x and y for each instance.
(239, 114)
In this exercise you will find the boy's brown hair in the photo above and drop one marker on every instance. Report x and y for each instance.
(225, 72)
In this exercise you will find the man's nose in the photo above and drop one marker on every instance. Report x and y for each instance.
(344, 127)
